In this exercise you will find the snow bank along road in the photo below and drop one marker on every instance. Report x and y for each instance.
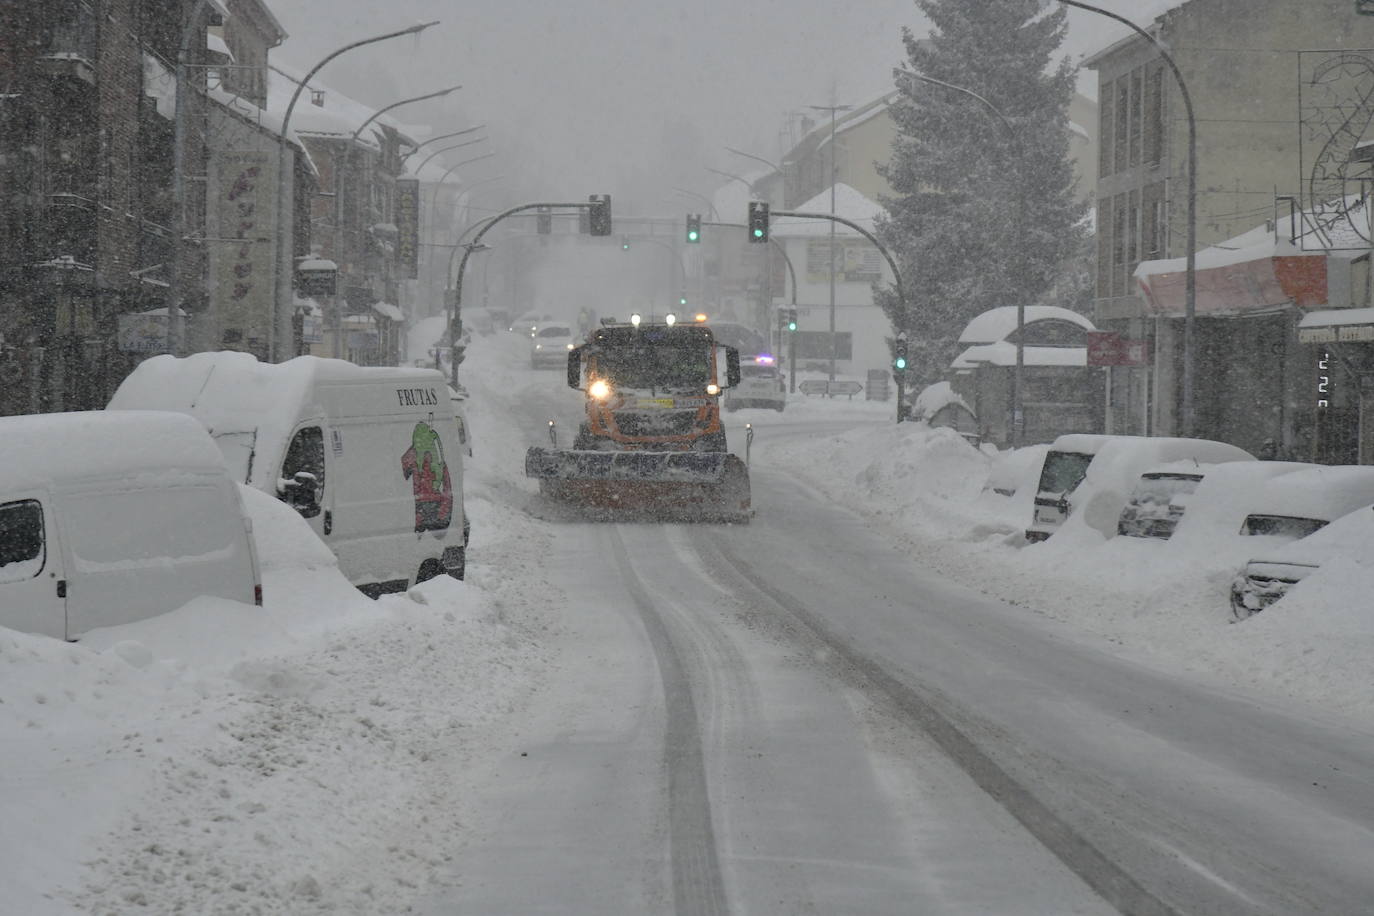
(792, 717)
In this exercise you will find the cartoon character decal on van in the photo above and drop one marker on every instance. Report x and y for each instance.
(424, 466)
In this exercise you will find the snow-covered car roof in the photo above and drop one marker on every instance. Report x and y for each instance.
(1320, 492)
(1227, 494)
(38, 449)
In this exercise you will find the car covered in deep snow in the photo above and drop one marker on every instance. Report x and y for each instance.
(1093, 476)
(1299, 509)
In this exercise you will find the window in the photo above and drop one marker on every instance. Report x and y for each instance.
(1106, 120)
(1136, 118)
(1123, 123)
(1281, 525)
(21, 540)
(1154, 117)
(305, 455)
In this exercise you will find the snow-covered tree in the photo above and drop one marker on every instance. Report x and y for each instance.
(984, 212)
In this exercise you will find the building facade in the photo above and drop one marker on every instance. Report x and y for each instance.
(1263, 77)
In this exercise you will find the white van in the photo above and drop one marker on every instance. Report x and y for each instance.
(369, 456)
(760, 385)
(111, 517)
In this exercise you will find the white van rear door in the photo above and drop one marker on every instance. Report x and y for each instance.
(137, 550)
(31, 580)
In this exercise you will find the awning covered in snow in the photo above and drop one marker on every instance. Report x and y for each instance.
(1258, 278)
(1337, 326)
(387, 310)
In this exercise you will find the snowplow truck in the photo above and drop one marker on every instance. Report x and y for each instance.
(652, 440)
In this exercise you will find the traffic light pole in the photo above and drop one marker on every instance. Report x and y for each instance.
(455, 320)
(896, 275)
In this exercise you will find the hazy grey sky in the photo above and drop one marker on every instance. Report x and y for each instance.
(626, 96)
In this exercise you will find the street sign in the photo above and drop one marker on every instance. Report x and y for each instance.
(1108, 348)
(829, 388)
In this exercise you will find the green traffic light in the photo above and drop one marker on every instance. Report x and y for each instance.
(791, 325)
(758, 233)
(692, 236)
(901, 362)
(682, 301)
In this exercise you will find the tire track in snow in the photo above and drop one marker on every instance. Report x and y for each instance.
(1110, 881)
(698, 889)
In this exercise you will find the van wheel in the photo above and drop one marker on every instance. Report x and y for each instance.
(428, 570)
(458, 563)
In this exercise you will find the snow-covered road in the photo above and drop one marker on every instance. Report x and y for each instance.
(828, 710)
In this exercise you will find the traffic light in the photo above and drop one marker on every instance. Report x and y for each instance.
(693, 227)
(682, 301)
(791, 319)
(600, 218)
(758, 221)
(624, 243)
(544, 220)
(899, 353)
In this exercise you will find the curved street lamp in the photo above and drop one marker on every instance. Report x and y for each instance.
(456, 133)
(285, 239)
(419, 98)
(1190, 275)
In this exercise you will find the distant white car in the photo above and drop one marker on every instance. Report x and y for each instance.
(550, 345)
(760, 385)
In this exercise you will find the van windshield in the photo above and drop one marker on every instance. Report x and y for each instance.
(1063, 471)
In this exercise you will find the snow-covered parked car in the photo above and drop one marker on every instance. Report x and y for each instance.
(550, 345)
(1215, 509)
(1092, 476)
(1303, 509)
(1268, 578)
(1222, 491)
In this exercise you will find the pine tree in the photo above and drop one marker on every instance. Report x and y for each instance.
(984, 213)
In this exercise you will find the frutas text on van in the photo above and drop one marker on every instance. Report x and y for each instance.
(417, 397)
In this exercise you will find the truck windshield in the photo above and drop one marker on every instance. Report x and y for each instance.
(656, 366)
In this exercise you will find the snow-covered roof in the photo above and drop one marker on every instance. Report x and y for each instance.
(849, 204)
(37, 449)
(935, 397)
(1330, 318)
(1003, 353)
(999, 323)
(387, 310)
(337, 116)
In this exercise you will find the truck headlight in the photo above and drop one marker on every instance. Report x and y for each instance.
(713, 388)
(599, 389)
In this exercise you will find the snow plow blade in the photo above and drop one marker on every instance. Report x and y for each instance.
(669, 467)
(690, 485)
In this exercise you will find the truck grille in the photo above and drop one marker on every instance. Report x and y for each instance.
(637, 424)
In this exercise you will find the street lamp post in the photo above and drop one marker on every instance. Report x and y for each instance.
(834, 342)
(1018, 416)
(1190, 276)
(439, 152)
(457, 133)
(285, 239)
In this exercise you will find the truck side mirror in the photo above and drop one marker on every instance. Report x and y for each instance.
(300, 493)
(575, 368)
(732, 374)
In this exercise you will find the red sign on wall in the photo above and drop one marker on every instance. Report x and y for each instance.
(1108, 348)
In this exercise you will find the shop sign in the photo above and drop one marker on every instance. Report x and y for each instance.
(143, 333)
(1350, 333)
(1108, 348)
